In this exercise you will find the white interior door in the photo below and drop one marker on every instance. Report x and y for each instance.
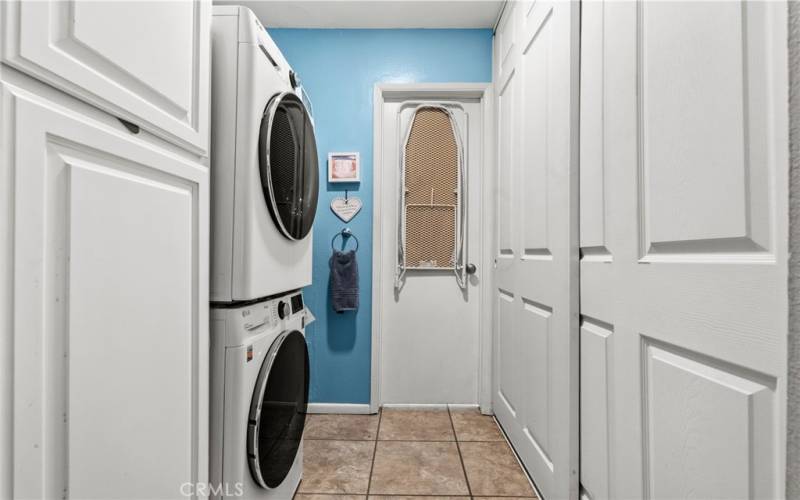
(536, 327)
(430, 330)
(145, 61)
(108, 391)
(684, 249)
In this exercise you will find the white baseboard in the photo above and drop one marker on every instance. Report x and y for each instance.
(415, 406)
(343, 408)
(363, 409)
(465, 406)
(430, 406)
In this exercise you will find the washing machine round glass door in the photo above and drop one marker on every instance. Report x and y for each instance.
(278, 410)
(287, 152)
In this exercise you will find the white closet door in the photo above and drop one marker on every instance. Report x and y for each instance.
(147, 62)
(109, 395)
(684, 249)
(536, 316)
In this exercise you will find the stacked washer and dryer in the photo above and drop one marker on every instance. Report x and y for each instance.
(265, 182)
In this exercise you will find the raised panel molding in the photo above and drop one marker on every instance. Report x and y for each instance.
(506, 37)
(147, 63)
(98, 388)
(535, 164)
(508, 356)
(703, 114)
(505, 189)
(535, 326)
(108, 258)
(683, 331)
(538, 241)
(161, 81)
(593, 214)
(596, 367)
(700, 411)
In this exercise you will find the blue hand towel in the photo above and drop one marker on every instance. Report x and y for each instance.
(344, 281)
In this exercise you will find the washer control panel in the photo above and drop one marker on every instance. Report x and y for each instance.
(297, 303)
(259, 316)
(256, 318)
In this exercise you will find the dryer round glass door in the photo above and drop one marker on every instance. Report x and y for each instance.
(287, 153)
(278, 410)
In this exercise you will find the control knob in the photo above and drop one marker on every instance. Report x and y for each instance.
(283, 310)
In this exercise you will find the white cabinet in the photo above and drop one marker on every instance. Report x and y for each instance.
(146, 62)
(108, 270)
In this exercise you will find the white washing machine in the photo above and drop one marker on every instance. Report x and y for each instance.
(264, 165)
(259, 398)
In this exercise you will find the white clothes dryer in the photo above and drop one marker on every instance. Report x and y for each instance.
(259, 398)
(264, 164)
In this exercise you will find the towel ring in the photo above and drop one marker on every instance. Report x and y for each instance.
(344, 232)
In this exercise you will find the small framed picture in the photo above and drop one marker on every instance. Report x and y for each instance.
(344, 167)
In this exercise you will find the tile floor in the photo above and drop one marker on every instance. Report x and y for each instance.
(405, 454)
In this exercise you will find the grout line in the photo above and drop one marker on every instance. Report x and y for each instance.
(413, 496)
(406, 440)
(458, 447)
(461, 458)
(374, 450)
(403, 440)
(424, 441)
(338, 439)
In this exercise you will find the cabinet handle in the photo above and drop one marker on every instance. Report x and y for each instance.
(132, 127)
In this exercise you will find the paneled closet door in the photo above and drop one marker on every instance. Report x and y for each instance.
(684, 249)
(536, 310)
(109, 395)
(146, 62)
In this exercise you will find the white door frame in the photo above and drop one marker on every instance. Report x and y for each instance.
(482, 92)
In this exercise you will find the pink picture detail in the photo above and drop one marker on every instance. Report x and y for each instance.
(344, 167)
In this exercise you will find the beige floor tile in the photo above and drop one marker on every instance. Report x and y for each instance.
(341, 427)
(416, 468)
(471, 425)
(301, 496)
(415, 425)
(395, 497)
(336, 466)
(492, 470)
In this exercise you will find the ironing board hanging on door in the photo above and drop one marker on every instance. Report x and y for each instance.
(431, 229)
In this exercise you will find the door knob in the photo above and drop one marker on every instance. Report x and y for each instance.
(471, 268)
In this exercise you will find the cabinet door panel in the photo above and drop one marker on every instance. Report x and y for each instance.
(146, 62)
(685, 257)
(110, 321)
(536, 267)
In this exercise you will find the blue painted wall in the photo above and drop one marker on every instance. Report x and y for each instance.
(339, 69)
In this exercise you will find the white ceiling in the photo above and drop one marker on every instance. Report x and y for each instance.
(374, 13)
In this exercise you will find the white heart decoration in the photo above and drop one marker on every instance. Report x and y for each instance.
(346, 209)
